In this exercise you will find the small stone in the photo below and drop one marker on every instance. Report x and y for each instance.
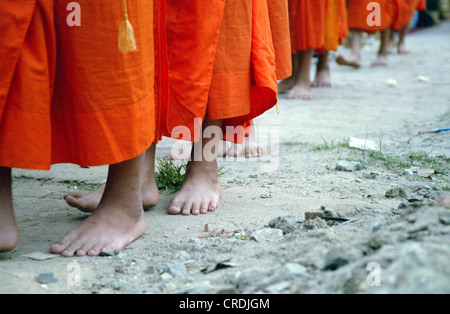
(39, 256)
(340, 256)
(266, 196)
(286, 224)
(414, 197)
(194, 240)
(395, 192)
(376, 226)
(403, 205)
(267, 235)
(176, 269)
(349, 166)
(407, 172)
(47, 277)
(369, 175)
(109, 252)
(291, 270)
(151, 270)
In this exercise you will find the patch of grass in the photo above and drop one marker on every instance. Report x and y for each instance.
(331, 145)
(170, 176)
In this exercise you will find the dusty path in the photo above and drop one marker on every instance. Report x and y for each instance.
(176, 255)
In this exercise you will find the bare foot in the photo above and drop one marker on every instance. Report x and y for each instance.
(118, 220)
(381, 61)
(110, 227)
(286, 84)
(200, 192)
(9, 234)
(351, 60)
(300, 91)
(150, 192)
(323, 78)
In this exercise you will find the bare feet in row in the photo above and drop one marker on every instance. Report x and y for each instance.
(149, 190)
(117, 221)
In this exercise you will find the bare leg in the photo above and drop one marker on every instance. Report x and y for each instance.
(354, 59)
(118, 220)
(286, 84)
(392, 42)
(9, 234)
(323, 74)
(401, 41)
(201, 191)
(150, 193)
(302, 87)
(382, 58)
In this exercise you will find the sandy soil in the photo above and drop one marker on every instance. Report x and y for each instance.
(246, 250)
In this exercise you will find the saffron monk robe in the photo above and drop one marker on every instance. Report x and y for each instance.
(316, 26)
(405, 10)
(70, 96)
(336, 30)
(221, 73)
(279, 24)
(371, 17)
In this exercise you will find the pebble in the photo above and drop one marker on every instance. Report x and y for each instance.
(395, 192)
(176, 269)
(267, 235)
(47, 277)
(403, 205)
(369, 175)
(109, 252)
(349, 166)
(340, 256)
(287, 224)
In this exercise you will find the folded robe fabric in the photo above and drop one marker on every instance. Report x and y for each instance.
(360, 10)
(221, 65)
(307, 24)
(66, 93)
(279, 24)
(317, 24)
(404, 12)
(336, 27)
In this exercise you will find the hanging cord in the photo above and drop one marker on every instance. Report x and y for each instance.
(127, 41)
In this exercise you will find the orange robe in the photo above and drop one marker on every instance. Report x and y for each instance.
(358, 14)
(66, 93)
(307, 24)
(404, 12)
(221, 64)
(422, 5)
(279, 24)
(336, 28)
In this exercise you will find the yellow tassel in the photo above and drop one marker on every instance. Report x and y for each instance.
(278, 109)
(127, 41)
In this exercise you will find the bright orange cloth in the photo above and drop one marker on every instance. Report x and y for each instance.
(279, 24)
(307, 24)
(404, 12)
(66, 93)
(336, 27)
(358, 13)
(422, 5)
(221, 63)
